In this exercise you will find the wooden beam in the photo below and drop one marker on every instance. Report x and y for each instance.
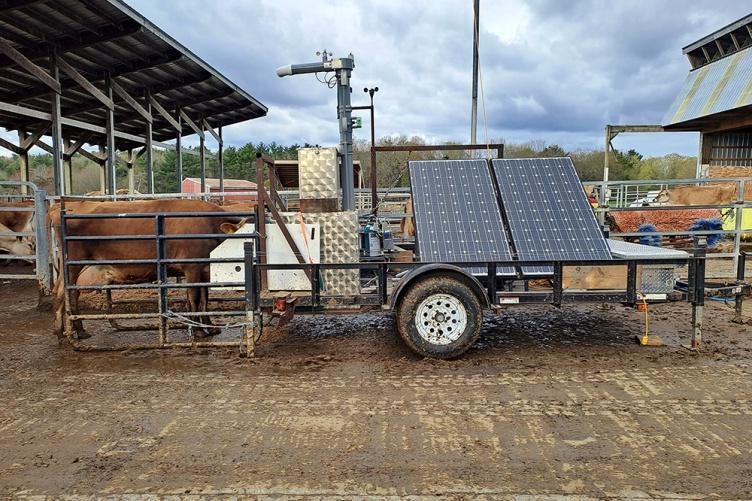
(160, 109)
(208, 127)
(46, 147)
(17, 4)
(27, 64)
(10, 146)
(69, 43)
(91, 156)
(83, 82)
(118, 70)
(73, 149)
(263, 199)
(191, 124)
(27, 143)
(139, 153)
(130, 100)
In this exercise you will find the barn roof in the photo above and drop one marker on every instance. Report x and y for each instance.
(100, 37)
(718, 89)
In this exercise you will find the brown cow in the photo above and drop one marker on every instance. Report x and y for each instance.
(21, 220)
(137, 249)
(15, 245)
(715, 194)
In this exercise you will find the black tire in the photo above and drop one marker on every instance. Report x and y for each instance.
(447, 299)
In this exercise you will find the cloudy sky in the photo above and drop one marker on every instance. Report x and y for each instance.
(555, 70)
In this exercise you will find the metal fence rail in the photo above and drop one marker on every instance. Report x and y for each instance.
(619, 202)
(39, 233)
(162, 285)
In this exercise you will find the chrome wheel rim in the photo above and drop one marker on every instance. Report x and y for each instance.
(441, 319)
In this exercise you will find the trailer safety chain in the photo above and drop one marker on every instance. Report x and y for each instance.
(171, 315)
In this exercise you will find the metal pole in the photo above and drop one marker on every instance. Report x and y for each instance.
(474, 107)
(344, 114)
(249, 259)
(149, 154)
(604, 187)
(738, 214)
(221, 161)
(42, 242)
(741, 271)
(179, 152)
(110, 129)
(56, 132)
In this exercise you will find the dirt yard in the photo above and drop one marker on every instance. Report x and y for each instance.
(552, 403)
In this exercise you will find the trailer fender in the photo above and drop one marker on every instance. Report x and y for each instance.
(433, 269)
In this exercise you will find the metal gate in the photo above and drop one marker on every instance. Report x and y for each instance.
(18, 192)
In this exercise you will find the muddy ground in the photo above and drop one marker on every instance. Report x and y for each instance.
(549, 402)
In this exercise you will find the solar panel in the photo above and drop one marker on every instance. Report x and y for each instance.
(547, 211)
(457, 216)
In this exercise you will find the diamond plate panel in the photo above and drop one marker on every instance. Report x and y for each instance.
(657, 280)
(318, 173)
(339, 244)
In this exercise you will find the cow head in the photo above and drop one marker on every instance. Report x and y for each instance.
(663, 196)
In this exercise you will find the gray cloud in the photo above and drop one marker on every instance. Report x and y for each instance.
(554, 70)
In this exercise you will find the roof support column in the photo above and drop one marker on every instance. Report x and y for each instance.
(221, 161)
(56, 131)
(23, 162)
(202, 156)
(131, 160)
(179, 152)
(102, 170)
(149, 155)
(68, 168)
(110, 133)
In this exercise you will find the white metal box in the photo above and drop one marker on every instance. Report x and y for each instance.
(277, 252)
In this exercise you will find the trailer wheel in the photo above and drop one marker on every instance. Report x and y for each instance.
(439, 317)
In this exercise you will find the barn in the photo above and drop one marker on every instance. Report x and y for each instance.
(716, 101)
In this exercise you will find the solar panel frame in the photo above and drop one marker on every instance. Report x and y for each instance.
(457, 214)
(547, 212)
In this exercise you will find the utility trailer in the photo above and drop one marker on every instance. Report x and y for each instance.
(439, 307)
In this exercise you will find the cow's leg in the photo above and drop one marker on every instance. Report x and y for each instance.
(197, 303)
(58, 297)
(89, 275)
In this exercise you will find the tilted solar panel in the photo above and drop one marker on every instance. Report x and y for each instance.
(547, 211)
(456, 212)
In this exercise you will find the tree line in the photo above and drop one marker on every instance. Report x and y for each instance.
(239, 163)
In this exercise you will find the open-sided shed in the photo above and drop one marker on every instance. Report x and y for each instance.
(716, 100)
(97, 72)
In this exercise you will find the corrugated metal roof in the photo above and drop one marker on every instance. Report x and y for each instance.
(720, 86)
(107, 36)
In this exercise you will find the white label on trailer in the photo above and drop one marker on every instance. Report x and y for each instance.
(509, 300)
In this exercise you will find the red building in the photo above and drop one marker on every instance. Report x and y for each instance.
(193, 185)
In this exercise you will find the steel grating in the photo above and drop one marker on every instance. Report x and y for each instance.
(456, 211)
(547, 211)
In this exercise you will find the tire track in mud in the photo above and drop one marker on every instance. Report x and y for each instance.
(651, 428)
